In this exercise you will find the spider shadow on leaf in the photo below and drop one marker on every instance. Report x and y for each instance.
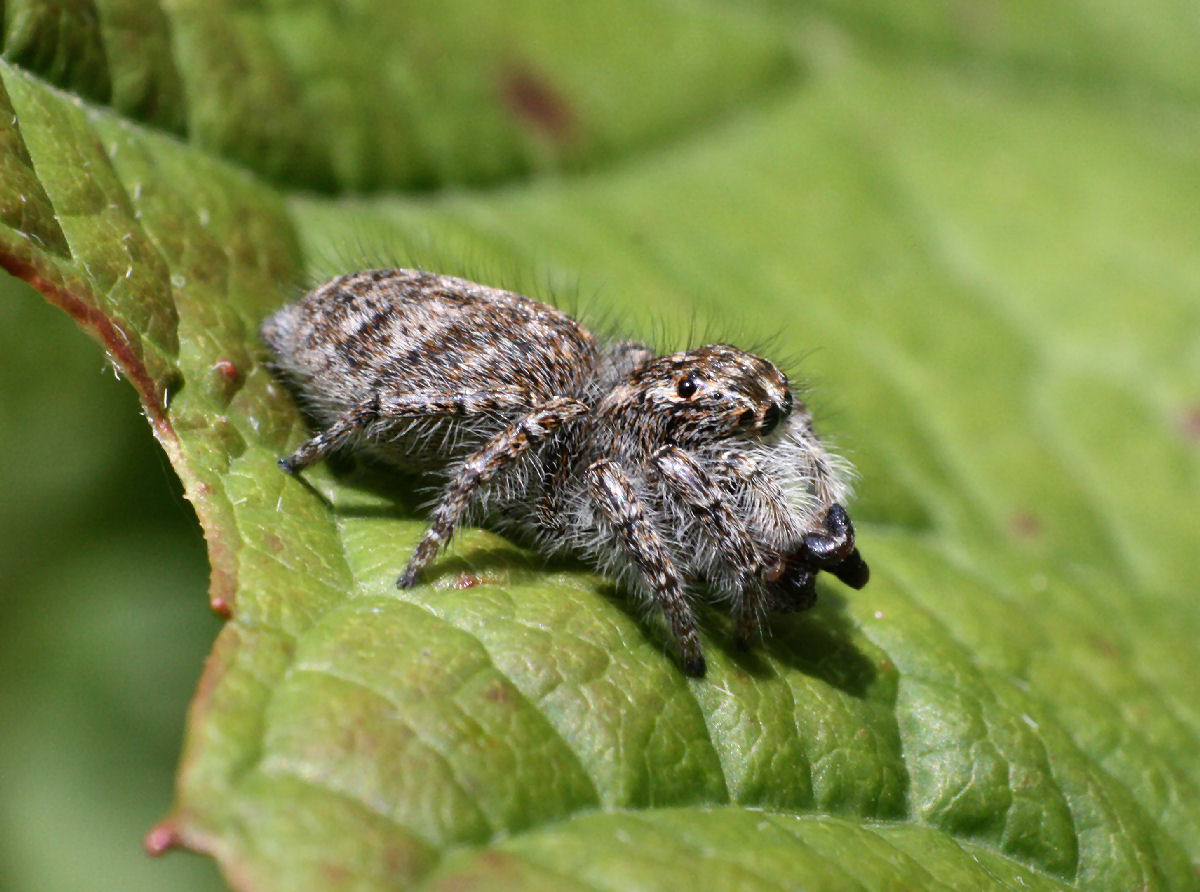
(818, 642)
(376, 492)
(390, 492)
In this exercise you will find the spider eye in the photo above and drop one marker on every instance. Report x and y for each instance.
(687, 386)
(770, 419)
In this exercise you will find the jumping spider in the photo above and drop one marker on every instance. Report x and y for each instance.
(668, 473)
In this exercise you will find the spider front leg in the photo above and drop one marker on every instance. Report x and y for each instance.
(354, 423)
(349, 427)
(479, 468)
(613, 491)
(724, 530)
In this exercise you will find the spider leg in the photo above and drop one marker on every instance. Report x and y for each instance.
(332, 438)
(742, 470)
(355, 422)
(790, 583)
(725, 530)
(613, 492)
(478, 469)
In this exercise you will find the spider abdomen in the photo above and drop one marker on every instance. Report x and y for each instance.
(391, 336)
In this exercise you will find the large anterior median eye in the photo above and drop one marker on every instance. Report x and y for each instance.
(770, 419)
(687, 386)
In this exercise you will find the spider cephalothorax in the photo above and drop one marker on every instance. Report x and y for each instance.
(698, 396)
(698, 469)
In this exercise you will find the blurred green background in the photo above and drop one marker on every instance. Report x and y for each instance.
(104, 624)
(980, 202)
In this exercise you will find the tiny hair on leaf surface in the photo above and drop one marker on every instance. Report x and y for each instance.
(990, 289)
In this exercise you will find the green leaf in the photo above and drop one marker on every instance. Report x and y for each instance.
(986, 259)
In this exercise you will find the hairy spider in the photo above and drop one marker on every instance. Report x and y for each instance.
(698, 469)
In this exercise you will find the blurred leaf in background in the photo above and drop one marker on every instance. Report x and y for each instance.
(973, 227)
(102, 575)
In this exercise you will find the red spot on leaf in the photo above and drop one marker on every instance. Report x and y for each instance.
(1025, 525)
(498, 693)
(223, 583)
(1104, 647)
(1189, 424)
(533, 100)
(492, 859)
(226, 377)
(220, 606)
(466, 580)
(162, 837)
(227, 370)
(336, 876)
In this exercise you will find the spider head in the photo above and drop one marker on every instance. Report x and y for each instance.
(707, 394)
